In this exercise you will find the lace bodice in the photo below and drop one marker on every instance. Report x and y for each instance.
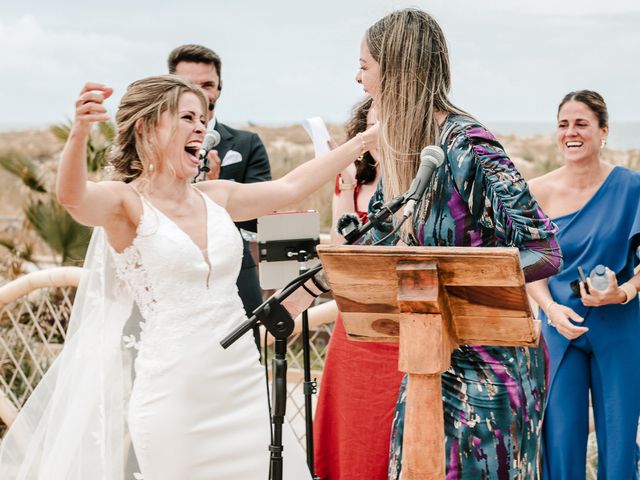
(178, 290)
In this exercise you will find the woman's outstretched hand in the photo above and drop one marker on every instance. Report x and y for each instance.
(90, 105)
(560, 316)
(370, 136)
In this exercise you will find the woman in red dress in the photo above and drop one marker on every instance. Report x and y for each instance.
(360, 380)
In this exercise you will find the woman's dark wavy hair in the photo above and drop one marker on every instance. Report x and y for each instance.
(365, 168)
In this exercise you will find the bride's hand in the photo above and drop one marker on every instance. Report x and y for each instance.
(90, 106)
(370, 136)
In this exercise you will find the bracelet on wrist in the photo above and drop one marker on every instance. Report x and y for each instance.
(342, 185)
(629, 290)
(318, 284)
(308, 290)
(363, 147)
(546, 310)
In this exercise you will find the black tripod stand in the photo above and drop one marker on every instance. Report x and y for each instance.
(279, 388)
(310, 387)
(279, 323)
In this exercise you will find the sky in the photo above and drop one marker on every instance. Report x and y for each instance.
(286, 60)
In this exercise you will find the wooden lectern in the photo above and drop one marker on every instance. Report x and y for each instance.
(431, 300)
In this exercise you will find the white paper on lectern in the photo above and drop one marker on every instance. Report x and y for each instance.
(319, 134)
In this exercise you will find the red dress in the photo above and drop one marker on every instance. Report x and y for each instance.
(358, 394)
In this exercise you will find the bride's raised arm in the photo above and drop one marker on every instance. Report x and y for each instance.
(90, 203)
(249, 201)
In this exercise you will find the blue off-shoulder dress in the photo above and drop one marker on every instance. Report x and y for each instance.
(493, 396)
(606, 359)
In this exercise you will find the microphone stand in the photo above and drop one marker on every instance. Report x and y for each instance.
(262, 314)
(279, 323)
(310, 387)
(382, 213)
(202, 169)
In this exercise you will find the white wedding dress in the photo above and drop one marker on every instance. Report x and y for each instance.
(196, 411)
(155, 396)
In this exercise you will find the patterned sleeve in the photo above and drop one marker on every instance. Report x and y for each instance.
(499, 199)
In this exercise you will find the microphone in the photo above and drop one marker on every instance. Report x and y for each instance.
(211, 139)
(347, 223)
(431, 157)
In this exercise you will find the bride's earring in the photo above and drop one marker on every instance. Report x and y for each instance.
(603, 143)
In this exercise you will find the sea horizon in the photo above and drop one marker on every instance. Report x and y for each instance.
(622, 135)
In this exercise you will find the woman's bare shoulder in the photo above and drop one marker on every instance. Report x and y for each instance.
(217, 190)
(122, 226)
(544, 184)
(129, 195)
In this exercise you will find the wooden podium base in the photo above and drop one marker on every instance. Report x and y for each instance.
(425, 352)
(423, 453)
(430, 299)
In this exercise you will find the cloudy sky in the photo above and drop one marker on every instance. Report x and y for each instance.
(285, 60)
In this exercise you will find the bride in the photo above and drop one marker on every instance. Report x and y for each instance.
(155, 397)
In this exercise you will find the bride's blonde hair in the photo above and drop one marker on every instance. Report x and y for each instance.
(415, 81)
(134, 148)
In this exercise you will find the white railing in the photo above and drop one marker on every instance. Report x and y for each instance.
(34, 313)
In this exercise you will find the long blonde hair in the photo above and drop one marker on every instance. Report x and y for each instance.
(139, 112)
(415, 81)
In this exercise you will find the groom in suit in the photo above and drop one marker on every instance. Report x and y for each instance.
(240, 156)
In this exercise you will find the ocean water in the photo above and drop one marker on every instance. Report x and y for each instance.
(622, 135)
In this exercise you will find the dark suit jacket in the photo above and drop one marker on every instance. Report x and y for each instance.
(252, 167)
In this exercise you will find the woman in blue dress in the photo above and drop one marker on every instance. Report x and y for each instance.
(493, 397)
(592, 334)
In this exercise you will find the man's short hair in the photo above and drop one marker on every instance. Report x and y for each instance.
(195, 54)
